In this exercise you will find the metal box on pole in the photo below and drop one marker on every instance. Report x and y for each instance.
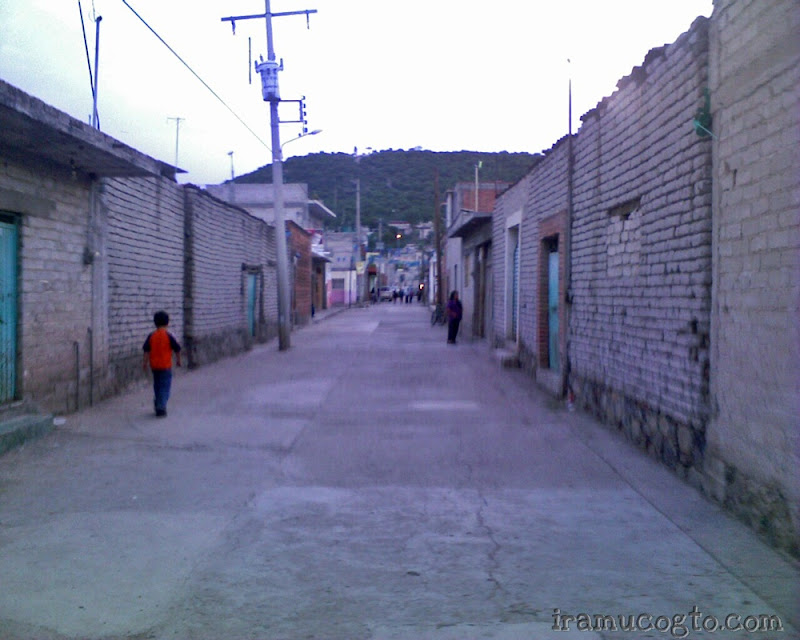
(269, 79)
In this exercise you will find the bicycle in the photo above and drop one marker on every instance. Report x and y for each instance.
(437, 315)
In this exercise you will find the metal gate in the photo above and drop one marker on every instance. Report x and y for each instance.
(8, 310)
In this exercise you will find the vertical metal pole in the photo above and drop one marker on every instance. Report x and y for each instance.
(568, 250)
(277, 184)
(95, 116)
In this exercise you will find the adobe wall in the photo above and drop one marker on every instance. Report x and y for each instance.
(225, 244)
(754, 436)
(54, 284)
(641, 256)
(144, 260)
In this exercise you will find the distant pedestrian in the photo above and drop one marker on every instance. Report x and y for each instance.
(158, 349)
(454, 313)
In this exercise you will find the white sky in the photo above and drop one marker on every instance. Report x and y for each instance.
(445, 75)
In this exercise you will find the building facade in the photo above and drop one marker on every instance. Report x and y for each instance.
(468, 217)
(96, 237)
(643, 267)
(753, 438)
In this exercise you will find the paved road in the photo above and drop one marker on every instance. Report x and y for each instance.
(372, 482)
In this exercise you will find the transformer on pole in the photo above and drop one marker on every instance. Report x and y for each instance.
(270, 92)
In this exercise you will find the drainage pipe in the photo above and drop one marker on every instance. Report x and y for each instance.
(91, 360)
(77, 375)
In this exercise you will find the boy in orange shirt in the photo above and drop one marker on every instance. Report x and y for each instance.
(158, 350)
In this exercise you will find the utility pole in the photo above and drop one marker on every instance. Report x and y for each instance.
(178, 121)
(271, 93)
(437, 233)
(365, 289)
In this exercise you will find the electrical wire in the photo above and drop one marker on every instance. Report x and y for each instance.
(185, 64)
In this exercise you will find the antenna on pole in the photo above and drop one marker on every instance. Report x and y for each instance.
(93, 76)
(178, 121)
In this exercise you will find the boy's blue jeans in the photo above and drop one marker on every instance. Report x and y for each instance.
(162, 382)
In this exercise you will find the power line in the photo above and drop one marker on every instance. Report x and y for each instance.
(185, 64)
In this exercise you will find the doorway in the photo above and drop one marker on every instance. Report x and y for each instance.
(552, 305)
(8, 309)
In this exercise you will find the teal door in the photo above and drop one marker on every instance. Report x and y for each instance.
(552, 308)
(252, 297)
(8, 311)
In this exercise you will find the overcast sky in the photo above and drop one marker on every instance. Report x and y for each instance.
(444, 75)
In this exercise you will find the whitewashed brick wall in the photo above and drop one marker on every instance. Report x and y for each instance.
(546, 197)
(54, 284)
(640, 319)
(144, 256)
(754, 436)
(223, 242)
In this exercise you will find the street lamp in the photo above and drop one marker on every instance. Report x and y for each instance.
(302, 135)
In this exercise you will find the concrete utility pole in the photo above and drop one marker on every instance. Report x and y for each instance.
(271, 93)
(437, 234)
(365, 282)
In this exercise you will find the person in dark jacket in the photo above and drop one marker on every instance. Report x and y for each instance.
(454, 313)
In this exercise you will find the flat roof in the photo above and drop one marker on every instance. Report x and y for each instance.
(33, 131)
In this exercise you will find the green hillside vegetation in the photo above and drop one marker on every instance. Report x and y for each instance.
(395, 185)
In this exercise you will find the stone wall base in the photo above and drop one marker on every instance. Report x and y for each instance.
(681, 446)
(678, 444)
(762, 506)
(207, 349)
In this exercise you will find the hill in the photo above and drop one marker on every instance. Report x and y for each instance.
(395, 184)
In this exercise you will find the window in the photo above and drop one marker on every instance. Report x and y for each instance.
(624, 240)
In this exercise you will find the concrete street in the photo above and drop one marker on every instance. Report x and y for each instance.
(371, 482)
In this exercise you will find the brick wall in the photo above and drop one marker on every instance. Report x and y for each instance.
(641, 256)
(144, 261)
(754, 436)
(299, 248)
(544, 217)
(54, 283)
(227, 249)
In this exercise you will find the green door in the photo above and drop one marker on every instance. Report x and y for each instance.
(8, 311)
(552, 308)
(252, 282)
